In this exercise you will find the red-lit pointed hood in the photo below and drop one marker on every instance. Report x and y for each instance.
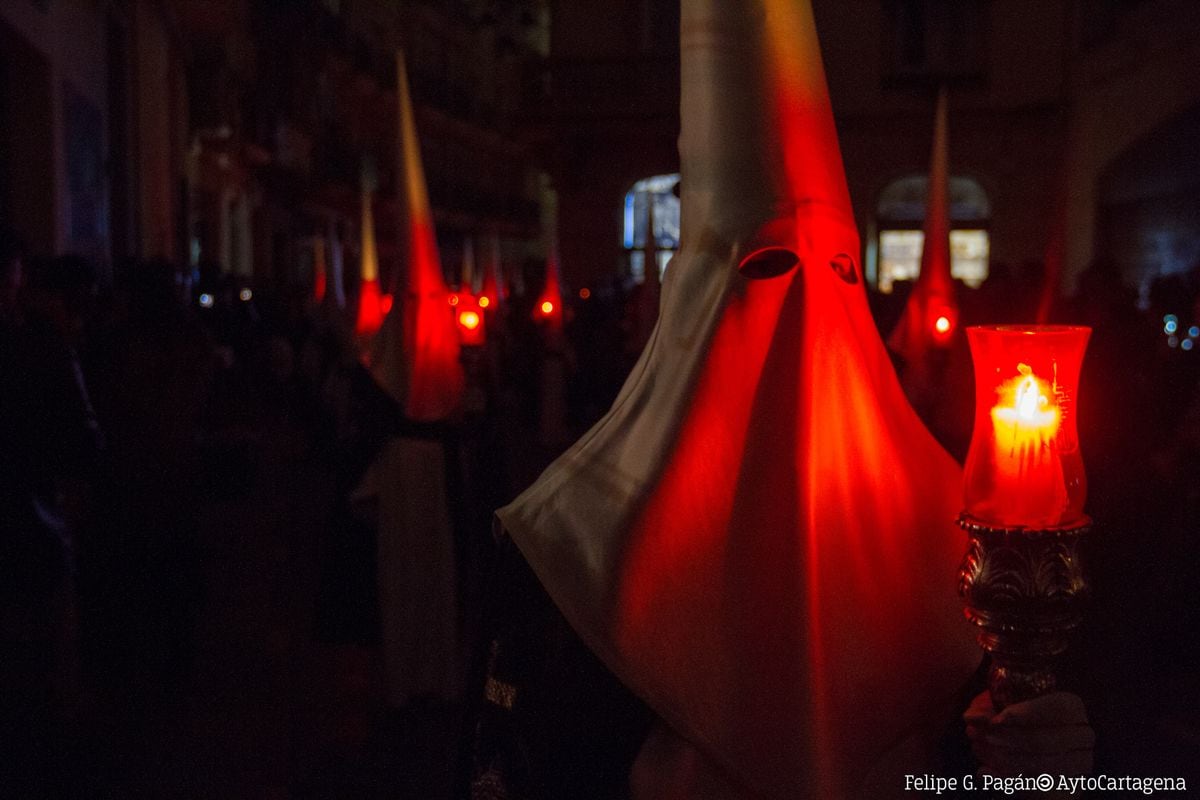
(933, 295)
(320, 278)
(758, 537)
(370, 315)
(416, 352)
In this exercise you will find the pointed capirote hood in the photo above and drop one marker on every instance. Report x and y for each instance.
(758, 537)
(320, 270)
(416, 355)
(933, 296)
(492, 288)
(470, 276)
(337, 270)
(370, 315)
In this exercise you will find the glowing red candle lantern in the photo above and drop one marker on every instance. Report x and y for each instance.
(469, 316)
(469, 320)
(1024, 468)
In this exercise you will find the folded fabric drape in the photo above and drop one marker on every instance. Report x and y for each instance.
(758, 537)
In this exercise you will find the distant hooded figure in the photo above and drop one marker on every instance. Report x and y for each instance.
(930, 319)
(415, 360)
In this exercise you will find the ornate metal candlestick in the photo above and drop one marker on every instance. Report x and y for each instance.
(1021, 577)
(1023, 588)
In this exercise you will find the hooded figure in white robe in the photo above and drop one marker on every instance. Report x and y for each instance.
(758, 539)
(415, 359)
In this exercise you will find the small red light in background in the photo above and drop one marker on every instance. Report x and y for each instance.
(944, 322)
(385, 303)
(547, 307)
(585, 293)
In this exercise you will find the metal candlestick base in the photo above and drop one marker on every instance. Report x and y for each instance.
(1023, 589)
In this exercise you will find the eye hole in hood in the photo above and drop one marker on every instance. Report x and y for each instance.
(843, 265)
(768, 262)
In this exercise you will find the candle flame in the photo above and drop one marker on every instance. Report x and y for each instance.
(1029, 400)
(469, 320)
(1026, 420)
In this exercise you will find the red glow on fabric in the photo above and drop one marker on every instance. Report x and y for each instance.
(790, 571)
(418, 359)
(436, 377)
(758, 538)
(933, 295)
(370, 311)
(385, 303)
(370, 315)
(1024, 467)
(319, 270)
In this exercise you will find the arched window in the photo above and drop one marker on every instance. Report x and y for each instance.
(900, 214)
(659, 191)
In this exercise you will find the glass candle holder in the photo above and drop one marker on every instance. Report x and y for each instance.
(1024, 467)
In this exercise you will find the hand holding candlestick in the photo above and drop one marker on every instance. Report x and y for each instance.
(1024, 491)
